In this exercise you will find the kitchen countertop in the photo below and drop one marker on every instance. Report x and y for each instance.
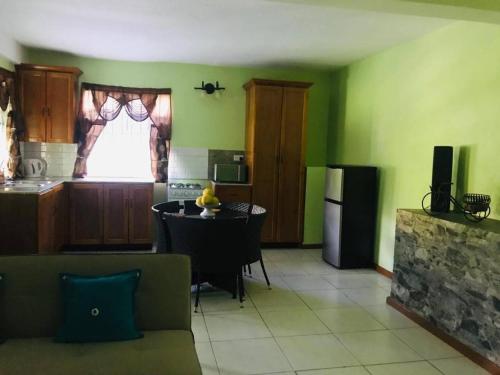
(41, 185)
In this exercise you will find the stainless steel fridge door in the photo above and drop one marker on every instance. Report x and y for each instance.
(333, 184)
(332, 229)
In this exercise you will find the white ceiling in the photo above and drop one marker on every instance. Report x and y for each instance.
(219, 32)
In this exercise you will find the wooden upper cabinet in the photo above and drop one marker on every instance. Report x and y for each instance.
(32, 100)
(140, 214)
(275, 153)
(48, 102)
(60, 117)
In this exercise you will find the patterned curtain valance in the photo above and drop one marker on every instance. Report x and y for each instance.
(14, 125)
(7, 89)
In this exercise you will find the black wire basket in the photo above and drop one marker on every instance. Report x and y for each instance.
(475, 203)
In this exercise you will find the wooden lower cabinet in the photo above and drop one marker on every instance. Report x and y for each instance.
(33, 223)
(115, 214)
(52, 220)
(140, 200)
(111, 213)
(232, 192)
(86, 213)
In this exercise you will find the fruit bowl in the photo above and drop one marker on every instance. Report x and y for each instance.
(208, 209)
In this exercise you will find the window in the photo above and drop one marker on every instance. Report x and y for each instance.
(122, 149)
(4, 151)
(123, 132)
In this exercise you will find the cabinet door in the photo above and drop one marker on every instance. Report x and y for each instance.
(115, 214)
(86, 214)
(60, 107)
(140, 214)
(61, 217)
(267, 112)
(290, 216)
(46, 223)
(32, 94)
(233, 193)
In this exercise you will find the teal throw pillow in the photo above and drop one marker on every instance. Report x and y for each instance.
(99, 308)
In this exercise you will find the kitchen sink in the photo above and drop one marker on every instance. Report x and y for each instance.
(27, 184)
(21, 188)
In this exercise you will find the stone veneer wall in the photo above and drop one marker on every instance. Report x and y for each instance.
(447, 270)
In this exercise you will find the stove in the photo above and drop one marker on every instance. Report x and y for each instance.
(179, 191)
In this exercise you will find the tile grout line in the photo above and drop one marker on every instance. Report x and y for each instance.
(210, 340)
(280, 275)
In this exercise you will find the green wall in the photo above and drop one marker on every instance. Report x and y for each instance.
(6, 64)
(204, 121)
(210, 121)
(389, 110)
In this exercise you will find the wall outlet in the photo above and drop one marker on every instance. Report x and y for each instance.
(238, 157)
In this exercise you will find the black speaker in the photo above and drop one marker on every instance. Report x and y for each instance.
(441, 178)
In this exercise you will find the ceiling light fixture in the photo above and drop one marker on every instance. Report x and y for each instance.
(210, 88)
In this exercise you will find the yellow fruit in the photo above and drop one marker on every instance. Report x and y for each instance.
(208, 191)
(206, 200)
(215, 201)
(198, 201)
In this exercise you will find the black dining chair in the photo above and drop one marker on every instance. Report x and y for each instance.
(211, 245)
(252, 250)
(162, 235)
(190, 207)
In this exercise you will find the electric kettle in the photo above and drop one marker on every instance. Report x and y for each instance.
(34, 167)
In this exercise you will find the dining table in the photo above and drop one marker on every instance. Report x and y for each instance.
(214, 243)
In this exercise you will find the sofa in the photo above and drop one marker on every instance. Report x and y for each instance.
(31, 312)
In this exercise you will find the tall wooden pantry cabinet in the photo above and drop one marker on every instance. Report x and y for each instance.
(275, 153)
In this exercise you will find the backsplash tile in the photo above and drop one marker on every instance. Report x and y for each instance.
(188, 163)
(222, 157)
(60, 157)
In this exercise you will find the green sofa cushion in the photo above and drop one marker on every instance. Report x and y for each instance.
(158, 353)
(163, 298)
(99, 308)
(2, 279)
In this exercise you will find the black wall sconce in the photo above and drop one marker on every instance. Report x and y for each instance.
(209, 88)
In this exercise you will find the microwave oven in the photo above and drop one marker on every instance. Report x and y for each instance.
(230, 173)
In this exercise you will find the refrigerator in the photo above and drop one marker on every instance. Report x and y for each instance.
(349, 216)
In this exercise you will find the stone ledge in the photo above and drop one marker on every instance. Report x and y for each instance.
(449, 274)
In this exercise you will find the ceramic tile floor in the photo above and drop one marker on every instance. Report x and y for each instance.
(316, 320)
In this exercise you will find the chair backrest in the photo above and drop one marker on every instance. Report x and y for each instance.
(238, 206)
(253, 233)
(256, 217)
(214, 245)
(162, 235)
(190, 207)
(30, 298)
